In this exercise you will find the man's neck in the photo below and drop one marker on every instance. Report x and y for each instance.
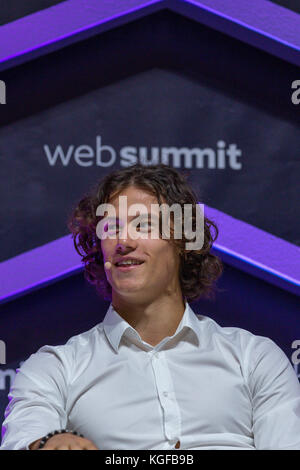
(154, 321)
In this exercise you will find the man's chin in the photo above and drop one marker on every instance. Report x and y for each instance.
(133, 294)
(130, 289)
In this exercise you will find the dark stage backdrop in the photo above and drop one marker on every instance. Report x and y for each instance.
(194, 98)
(290, 4)
(12, 10)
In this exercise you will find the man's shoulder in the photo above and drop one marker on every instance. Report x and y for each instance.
(216, 327)
(61, 360)
(234, 334)
(85, 336)
(68, 350)
(251, 349)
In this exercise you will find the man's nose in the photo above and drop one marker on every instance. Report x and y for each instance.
(124, 240)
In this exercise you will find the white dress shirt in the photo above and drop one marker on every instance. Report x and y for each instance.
(205, 387)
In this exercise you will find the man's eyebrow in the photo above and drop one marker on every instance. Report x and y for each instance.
(142, 216)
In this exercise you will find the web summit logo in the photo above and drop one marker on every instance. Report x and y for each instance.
(2, 92)
(224, 156)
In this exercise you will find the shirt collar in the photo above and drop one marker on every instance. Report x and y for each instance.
(115, 326)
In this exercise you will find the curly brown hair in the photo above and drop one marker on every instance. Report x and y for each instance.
(199, 269)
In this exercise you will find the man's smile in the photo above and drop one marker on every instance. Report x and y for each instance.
(129, 267)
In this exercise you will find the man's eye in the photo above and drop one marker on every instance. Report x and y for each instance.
(144, 225)
(110, 227)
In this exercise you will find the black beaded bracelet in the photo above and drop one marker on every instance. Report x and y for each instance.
(57, 431)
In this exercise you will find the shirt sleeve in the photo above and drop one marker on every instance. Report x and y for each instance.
(37, 399)
(275, 392)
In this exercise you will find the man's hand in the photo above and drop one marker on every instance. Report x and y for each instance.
(65, 441)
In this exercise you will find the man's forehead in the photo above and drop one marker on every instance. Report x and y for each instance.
(132, 203)
(134, 197)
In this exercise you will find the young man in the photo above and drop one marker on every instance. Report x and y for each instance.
(153, 374)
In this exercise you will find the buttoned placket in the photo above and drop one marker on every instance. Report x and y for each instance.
(167, 398)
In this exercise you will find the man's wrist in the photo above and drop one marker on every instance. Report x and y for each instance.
(35, 444)
(40, 444)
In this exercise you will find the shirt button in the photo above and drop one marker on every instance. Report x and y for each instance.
(177, 445)
(165, 394)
